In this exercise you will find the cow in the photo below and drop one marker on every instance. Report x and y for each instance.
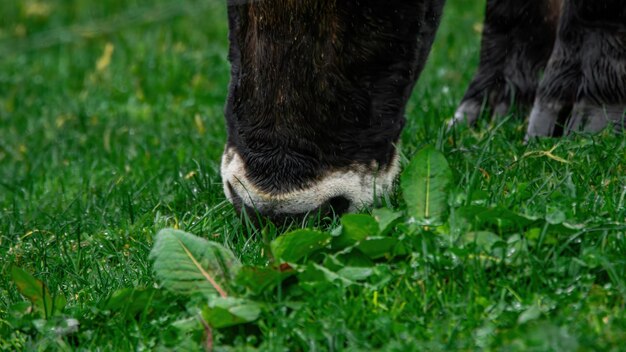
(318, 88)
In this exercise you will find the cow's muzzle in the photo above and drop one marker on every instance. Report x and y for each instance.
(344, 190)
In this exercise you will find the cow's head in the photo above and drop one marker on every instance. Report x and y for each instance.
(316, 99)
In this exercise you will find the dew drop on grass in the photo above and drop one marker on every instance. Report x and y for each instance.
(516, 306)
(567, 291)
(511, 251)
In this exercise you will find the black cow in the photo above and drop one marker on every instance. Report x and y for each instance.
(319, 87)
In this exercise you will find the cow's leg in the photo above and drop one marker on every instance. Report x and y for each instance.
(517, 41)
(584, 86)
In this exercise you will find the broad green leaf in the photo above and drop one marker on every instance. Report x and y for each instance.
(478, 217)
(534, 235)
(555, 216)
(355, 258)
(504, 219)
(377, 246)
(228, 311)
(36, 292)
(298, 244)
(20, 309)
(425, 184)
(352, 257)
(187, 324)
(318, 273)
(188, 264)
(591, 257)
(566, 228)
(484, 240)
(355, 273)
(385, 218)
(131, 301)
(59, 303)
(355, 228)
(259, 280)
(358, 226)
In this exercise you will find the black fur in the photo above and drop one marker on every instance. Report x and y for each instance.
(517, 40)
(588, 65)
(583, 85)
(322, 85)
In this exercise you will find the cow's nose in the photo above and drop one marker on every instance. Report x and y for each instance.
(334, 206)
(336, 191)
(279, 209)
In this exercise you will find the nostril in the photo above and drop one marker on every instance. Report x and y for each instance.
(339, 204)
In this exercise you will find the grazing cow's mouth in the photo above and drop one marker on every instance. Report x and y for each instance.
(338, 191)
(317, 99)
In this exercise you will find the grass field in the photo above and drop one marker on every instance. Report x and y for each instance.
(111, 128)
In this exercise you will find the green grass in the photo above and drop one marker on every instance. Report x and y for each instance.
(93, 162)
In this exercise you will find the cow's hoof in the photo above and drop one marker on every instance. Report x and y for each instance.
(497, 97)
(592, 118)
(544, 117)
(581, 92)
(469, 111)
(517, 41)
(549, 119)
(466, 114)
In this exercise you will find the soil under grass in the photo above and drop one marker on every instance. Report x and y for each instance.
(111, 128)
